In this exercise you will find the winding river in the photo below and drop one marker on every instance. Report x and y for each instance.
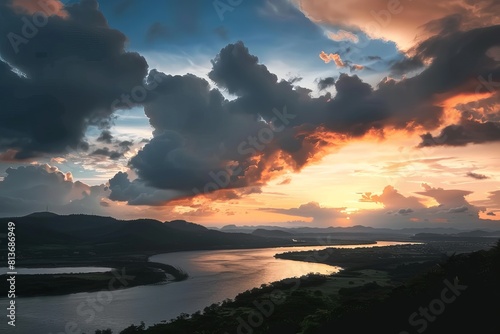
(213, 277)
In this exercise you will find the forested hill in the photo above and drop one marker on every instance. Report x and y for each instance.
(43, 232)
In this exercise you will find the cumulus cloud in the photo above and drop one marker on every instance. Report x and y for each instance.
(403, 22)
(392, 199)
(48, 108)
(137, 193)
(446, 197)
(452, 209)
(105, 151)
(320, 215)
(202, 139)
(404, 211)
(492, 202)
(199, 134)
(343, 35)
(203, 142)
(33, 188)
(467, 132)
(105, 137)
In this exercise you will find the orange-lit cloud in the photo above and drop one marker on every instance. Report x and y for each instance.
(491, 205)
(451, 105)
(335, 57)
(47, 7)
(319, 214)
(403, 22)
(357, 67)
(58, 160)
(342, 35)
(392, 199)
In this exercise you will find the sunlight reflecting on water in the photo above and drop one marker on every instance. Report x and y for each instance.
(213, 277)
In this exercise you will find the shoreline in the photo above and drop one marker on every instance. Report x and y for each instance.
(147, 272)
(126, 275)
(104, 260)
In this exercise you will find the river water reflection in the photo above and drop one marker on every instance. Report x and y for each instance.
(213, 277)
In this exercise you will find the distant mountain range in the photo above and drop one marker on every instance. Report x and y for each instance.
(45, 231)
(48, 233)
(356, 230)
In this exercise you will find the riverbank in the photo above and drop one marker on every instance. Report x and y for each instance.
(381, 294)
(124, 275)
(138, 266)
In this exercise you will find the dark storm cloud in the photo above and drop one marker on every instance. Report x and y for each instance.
(460, 53)
(324, 83)
(198, 133)
(477, 176)
(121, 147)
(72, 68)
(295, 79)
(137, 193)
(259, 91)
(407, 65)
(460, 209)
(405, 212)
(445, 25)
(201, 138)
(125, 145)
(457, 60)
(105, 137)
(113, 155)
(198, 141)
(467, 132)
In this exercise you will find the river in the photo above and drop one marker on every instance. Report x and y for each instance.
(213, 277)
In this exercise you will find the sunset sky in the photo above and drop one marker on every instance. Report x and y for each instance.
(381, 113)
